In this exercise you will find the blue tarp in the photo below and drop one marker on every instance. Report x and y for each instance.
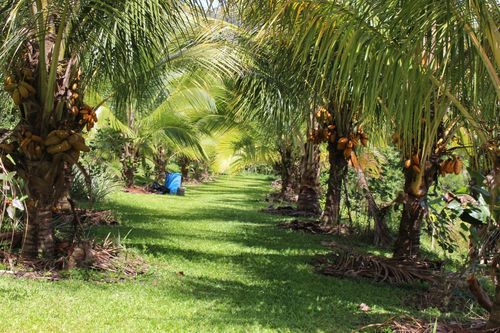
(173, 182)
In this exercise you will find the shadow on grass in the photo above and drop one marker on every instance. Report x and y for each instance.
(279, 289)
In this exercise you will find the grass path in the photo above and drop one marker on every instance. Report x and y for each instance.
(241, 274)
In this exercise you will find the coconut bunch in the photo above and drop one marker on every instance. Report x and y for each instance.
(68, 119)
(66, 142)
(84, 114)
(20, 86)
(453, 165)
(413, 163)
(349, 143)
(318, 136)
(327, 132)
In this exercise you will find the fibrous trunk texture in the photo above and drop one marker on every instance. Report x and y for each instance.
(338, 171)
(185, 168)
(129, 164)
(44, 189)
(160, 161)
(288, 170)
(309, 190)
(45, 225)
(414, 209)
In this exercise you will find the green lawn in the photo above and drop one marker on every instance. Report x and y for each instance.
(241, 274)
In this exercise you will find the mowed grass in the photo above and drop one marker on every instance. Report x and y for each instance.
(240, 274)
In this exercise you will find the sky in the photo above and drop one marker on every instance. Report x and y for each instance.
(205, 3)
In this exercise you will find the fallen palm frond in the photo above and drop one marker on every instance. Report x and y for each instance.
(107, 257)
(97, 217)
(315, 227)
(287, 211)
(345, 262)
(66, 220)
(110, 257)
(408, 324)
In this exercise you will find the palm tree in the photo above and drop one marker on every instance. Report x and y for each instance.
(419, 62)
(310, 188)
(186, 103)
(186, 111)
(276, 99)
(51, 51)
(306, 93)
(379, 53)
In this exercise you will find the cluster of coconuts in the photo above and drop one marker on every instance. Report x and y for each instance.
(20, 89)
(66, 142)
(57, 142)
(351, 142)
(451, 165)
(327, 133)
(77, 108)
(32, 145)
(318, 136)
(413, 163)
(326, 130)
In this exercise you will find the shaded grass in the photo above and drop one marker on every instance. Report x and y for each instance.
(240, 273)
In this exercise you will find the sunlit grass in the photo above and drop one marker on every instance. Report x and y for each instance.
(240, 273)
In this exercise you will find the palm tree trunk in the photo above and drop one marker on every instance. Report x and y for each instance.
(46, 182)
(338, 171)
(289, 173)
(39, 230)
(45, 232)
(63, 202)
(286, 171)
(30, 239)
(128, 160)
(128, 175)
(414, 209)
(408, 241)
(160, 161)
(185, 168)
(309, 189)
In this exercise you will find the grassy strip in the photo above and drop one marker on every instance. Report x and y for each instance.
(240, 273)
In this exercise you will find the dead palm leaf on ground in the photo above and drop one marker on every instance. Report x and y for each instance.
(349, 263)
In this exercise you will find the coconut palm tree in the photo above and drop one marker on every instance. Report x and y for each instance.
(308, 199)
(307, 94)
(186, 112)
(272, 95)
(415, 72)
(417, 63)
(51, 51)
(184, 101)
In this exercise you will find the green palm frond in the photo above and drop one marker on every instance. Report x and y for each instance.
(408, 62)
(109, 41)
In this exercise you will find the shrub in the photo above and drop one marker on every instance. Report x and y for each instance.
(102, 183)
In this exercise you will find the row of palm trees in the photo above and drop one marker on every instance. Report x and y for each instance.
(155, 75)
(54, 52)
(313, 72)
(421, 72)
